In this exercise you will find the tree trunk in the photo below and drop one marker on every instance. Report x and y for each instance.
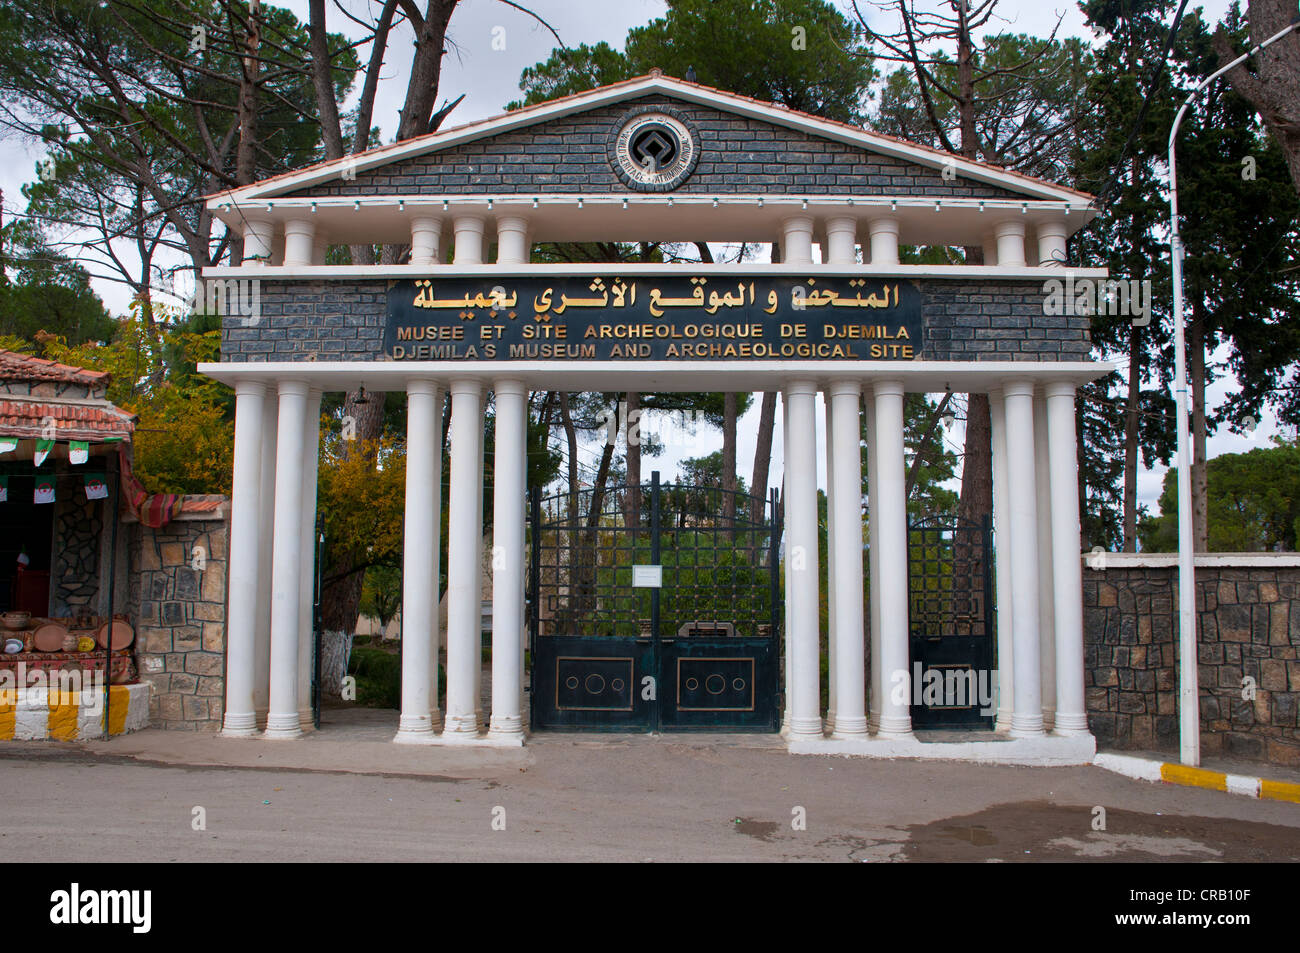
(1271, 81)
(246, 152)
(1196, 369)
(763, 454)
(632, 437)
(1131, 434)
(728, 457)
(571, 434)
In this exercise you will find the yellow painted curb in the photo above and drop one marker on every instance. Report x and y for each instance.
(8, 718)
(1280, 791)
(119, 699)
(63, 716)
(1193, 777)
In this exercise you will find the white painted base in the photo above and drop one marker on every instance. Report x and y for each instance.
(1042, 750)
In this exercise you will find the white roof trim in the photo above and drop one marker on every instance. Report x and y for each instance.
(689, 92)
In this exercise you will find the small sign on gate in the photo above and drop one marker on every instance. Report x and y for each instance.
(647, 577)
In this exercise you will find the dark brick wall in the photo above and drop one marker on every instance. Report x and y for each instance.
(737, 155)
(344, 320)
(1249, 625)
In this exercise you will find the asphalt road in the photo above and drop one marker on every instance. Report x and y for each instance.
(598, 801)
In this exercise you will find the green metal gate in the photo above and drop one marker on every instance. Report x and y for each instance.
(697, 652)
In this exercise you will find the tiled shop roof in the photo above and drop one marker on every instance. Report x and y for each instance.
(94, 421)
(24, 367)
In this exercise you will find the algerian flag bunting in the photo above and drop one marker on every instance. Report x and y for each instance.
(8, 444)
(43, 449)
(78, 451)
(96, 488)
(44, 490)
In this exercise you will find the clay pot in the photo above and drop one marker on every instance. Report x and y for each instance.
(69, 643)
(13, 621)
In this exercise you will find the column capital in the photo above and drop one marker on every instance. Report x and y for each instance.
(423, 386)
(837, 388)
(510, 385)
(797, 223)
(887, 388)
(883, 225)
(293, 386)
(1059, 389)
(470, 221)
(800, 387)
(512, 223)
(1009, 226)
(250, 386)
(466, 386)
(300, 226)
(1018, 388)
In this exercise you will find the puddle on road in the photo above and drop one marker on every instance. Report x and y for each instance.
(1043, 831)
(760, 830)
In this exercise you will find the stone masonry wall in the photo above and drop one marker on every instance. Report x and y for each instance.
(1248, 625)
(343, 320)
(178, 603)
(74, 577)
(737, 155)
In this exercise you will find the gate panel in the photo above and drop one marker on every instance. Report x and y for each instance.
(950, 581)
(697, 653)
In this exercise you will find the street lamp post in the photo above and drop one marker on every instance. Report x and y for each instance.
(1189, 718)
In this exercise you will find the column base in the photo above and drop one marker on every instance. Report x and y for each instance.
(895, 726)
(239, 725)
(415, 730)
(466, 725)
(282, 727)
(506, 738)
(805, 728)
(1027, 726)
(1070, 724)
(1003, 720)
(846, 728)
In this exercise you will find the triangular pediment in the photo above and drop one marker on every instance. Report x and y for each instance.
(569, 146)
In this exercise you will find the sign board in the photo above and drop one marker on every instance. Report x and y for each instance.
(647, 577)
(658, 318)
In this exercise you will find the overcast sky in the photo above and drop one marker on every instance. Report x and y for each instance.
(488, 75)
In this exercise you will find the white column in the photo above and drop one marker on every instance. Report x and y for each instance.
(425, 234)
(1051, 244)
(1010, 237)
(848, 673)
(259, 238)
(464, 538)
(841, 240)
(512, 241)
(1022, 514)
(873, 551)
(266, 520)
(788, 577)
(884, 241)
(469, 240)
(990, 246)
(299, 237)
(286, 563)
(801, 522)
(1046, 620)
(1002, 568)
(889, 510)
(419, 550)
(831, 519)
(796, 244)
(508, 561)
(1071, 710)
(244, 564)
(307, 578)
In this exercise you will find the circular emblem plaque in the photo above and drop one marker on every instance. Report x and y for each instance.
(654, 150)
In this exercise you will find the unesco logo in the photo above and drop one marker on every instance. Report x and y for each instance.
(654, 150)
